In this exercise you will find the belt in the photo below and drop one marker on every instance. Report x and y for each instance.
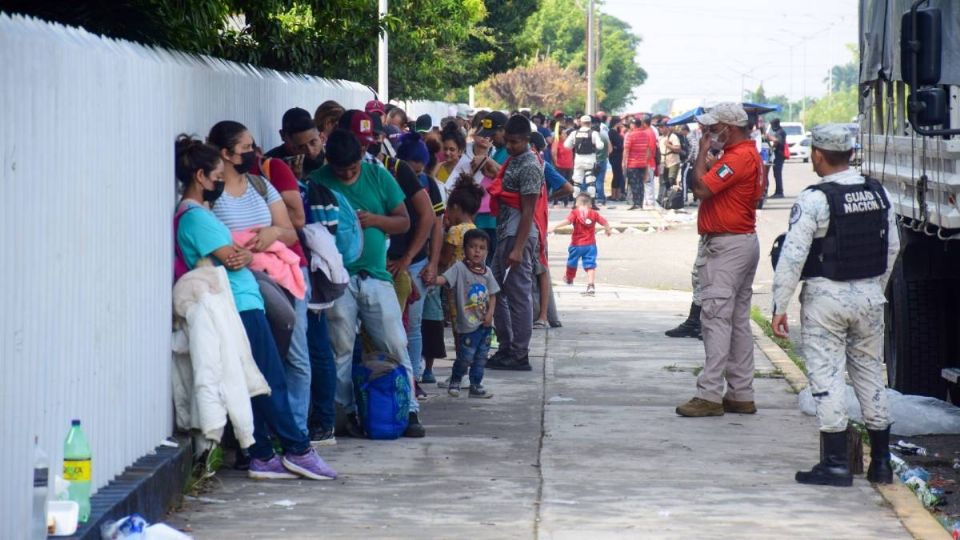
(708, 236)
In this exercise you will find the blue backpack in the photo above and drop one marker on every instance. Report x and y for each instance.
(333, 210)
(382, 390)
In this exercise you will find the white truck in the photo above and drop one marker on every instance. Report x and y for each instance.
(910, 141)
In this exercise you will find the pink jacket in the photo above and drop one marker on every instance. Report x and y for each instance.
(278, 262)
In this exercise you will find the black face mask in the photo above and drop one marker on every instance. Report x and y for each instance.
(375, 149)
(246, 162)
(211, 195)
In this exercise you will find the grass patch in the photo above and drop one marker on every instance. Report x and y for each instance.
(775, 374)
(677, 369)
(784, 344)
(204, 470)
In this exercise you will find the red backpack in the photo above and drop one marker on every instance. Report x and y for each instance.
(179, 263)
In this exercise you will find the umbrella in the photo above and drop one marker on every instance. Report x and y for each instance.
(691, 115)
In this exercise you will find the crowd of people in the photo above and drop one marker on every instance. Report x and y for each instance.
(367, 233)
(363, 232)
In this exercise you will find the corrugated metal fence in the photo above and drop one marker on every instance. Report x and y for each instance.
(87, 126)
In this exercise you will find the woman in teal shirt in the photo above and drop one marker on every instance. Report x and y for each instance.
(199, 234)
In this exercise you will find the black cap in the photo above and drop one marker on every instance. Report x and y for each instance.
(296, 120)
(491, 123)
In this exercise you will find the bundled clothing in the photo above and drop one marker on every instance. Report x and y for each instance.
(278, 261)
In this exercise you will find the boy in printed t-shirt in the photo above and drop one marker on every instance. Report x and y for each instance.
(583, 241)
(474, 290)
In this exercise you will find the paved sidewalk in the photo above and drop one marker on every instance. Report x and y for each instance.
(586, 446)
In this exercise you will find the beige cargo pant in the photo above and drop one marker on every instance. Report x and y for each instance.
(726, 279)
(842, 326)
(695, 273)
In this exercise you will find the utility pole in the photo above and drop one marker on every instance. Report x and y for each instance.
(383, 84)
(591, 67)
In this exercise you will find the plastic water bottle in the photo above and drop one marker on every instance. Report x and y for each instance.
(41, 476)
(77, 468)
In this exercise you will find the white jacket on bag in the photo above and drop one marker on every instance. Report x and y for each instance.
(325, 258)
(214, 372)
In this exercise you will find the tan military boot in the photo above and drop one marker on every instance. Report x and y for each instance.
(739, 407)
(697, 407)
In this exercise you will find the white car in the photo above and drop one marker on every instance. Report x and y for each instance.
(801, 149)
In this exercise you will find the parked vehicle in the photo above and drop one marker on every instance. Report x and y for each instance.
(909, 118)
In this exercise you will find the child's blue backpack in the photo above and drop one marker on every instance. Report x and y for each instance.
(382, 390)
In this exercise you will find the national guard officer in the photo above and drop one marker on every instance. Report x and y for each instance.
(843, 242)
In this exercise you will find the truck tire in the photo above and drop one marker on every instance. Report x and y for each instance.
(914, 346)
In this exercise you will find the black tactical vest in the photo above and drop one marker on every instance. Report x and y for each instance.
(855, 246)
(583, 142)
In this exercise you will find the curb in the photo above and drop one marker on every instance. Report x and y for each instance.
(795, 378)
(916, 519)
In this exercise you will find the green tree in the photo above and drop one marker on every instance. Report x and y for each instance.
(558, 31)
(329, 38)
(505, 20)
(836, 107)
(844, 76)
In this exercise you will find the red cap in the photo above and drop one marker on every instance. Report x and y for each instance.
(362, 127)
(557, 113)
(374, 106)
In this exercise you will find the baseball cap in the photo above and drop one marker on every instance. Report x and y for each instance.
(374, 106)
(491, 123)
(424, 123)
(297, 120)
(832, 137)
(724, 113)
(557, 113)
(362, 126)
(586, 119)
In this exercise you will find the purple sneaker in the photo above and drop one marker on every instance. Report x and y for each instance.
(271, 469)
(309, 465)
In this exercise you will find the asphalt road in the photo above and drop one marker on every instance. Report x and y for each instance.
(663, 259)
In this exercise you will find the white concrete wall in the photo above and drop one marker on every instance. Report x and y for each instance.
(87, 127)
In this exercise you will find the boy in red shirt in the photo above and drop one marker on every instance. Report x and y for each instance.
(583, 242)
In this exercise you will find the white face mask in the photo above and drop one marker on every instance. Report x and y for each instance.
(716, 143)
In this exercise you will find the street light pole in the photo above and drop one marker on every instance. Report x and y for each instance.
(591, 97)
(383, 84)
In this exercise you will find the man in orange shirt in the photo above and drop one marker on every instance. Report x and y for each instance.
(730, 191)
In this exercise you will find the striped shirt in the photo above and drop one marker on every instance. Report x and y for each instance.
(248, 210)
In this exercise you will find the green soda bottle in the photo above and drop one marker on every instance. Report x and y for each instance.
(77, 468)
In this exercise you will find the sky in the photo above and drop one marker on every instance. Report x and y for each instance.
(702, 51)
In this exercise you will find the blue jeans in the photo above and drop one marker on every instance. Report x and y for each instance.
(472, 350)
(323, 371)
(298, 361)
(601, 176)
(414, 319)
(270, 413)
(372, 302)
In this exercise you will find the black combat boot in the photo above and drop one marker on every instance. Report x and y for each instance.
(833, 469)
(880, 471)
(689, 327)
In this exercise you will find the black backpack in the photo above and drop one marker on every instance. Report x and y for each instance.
(684, 147)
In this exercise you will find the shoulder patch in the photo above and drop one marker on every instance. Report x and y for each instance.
(724, 172)
(795, 213)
